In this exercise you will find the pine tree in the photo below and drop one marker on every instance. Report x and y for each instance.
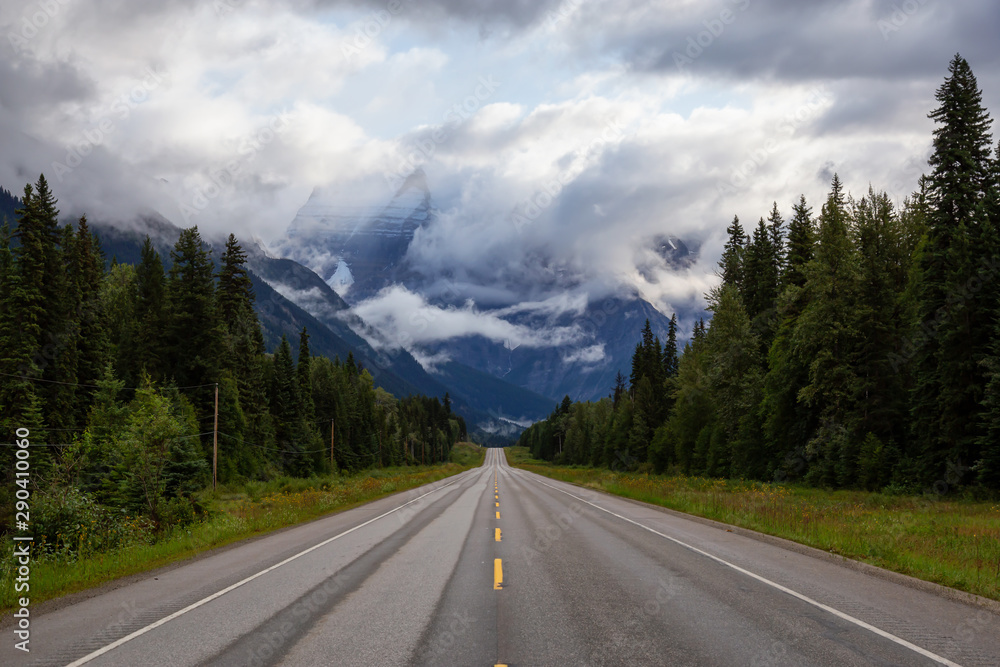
(828, 329)
(698, 333)
(235, 287)
(48, 304)
(645, 360)
(61, 353)
(670, 358)
(151, 315)
(619, 390)
(307, 409)
(801, 239)
(760, 274)
(954, 323)
(776, 234)
(86, 268)
(194, 329)
(884, 256)
(20, 406)
(735, 379)
(731, 264)
(303, 375)
(287, 411)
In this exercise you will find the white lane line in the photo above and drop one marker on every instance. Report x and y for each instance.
(166, 619)
(783, 589)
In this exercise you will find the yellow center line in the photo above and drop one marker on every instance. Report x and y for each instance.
(498, 515)
(497, 574)
(497, 534)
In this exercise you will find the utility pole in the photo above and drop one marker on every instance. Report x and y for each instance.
(333, 463)
(215, 441)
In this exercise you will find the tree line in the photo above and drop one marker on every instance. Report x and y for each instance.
(859, 347)
(114, 370)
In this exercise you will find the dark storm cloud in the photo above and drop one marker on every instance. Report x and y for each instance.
(26, 84)
(792, 40)
(517, 13)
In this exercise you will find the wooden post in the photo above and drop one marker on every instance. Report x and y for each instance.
(215, 441)
(333, 462)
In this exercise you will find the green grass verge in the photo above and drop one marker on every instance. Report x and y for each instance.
(236, 513)
(949, 542)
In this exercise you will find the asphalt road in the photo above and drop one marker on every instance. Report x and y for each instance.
(500, 566)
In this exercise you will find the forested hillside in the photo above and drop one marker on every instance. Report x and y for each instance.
(853, 346)
(116, 372)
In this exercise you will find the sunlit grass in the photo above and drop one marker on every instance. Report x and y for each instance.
(237, 512)
(950, 542)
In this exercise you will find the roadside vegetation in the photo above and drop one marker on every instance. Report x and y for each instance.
(99, 548)
(955, 543)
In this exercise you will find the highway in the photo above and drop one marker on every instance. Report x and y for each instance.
(498, 566)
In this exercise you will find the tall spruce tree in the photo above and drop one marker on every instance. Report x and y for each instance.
(776, 234)
(884, 256)
(194, 328)
(235, 288)
(670, 358)
(20, 406)
(151, 316)
(49, 303)
(307, 409)
(801, 239)
(244, 341)
(760, 273)
(735, 379)
(731, 264)
(287, 410)
(954, 323)
(828, 330)
(86, 268)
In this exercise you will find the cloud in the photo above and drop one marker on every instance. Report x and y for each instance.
(408, 320)
(588, 355)
(591, 138)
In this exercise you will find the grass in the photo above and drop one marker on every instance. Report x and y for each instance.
(950, 542)
(236, 513)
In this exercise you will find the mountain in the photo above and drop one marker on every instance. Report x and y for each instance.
(585, 370)
(357, 240)
(355, 246)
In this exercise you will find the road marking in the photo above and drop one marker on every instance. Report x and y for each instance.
(783, 589)
(498, 515)
(497, 534)
(497, 574)
(191, 607)
(498, 504)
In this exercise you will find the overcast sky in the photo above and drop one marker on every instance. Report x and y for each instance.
(556, 134)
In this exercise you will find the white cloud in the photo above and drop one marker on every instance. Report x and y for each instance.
(592, 142)
(587, 355)
(409, 320)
